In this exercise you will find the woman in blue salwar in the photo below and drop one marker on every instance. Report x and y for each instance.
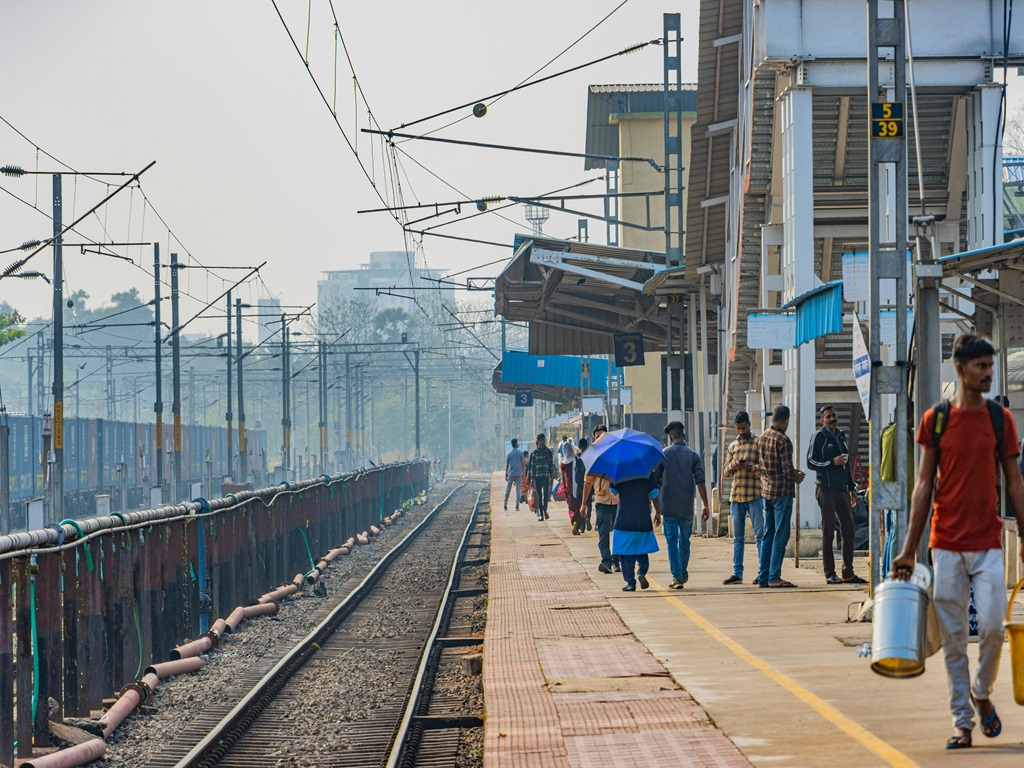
(633, 533)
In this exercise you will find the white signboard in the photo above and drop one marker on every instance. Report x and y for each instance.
(861, 366)
(771, 331)
(855, 277)
(856, 281)
(593, 404)
(626, 396)
(887, 326)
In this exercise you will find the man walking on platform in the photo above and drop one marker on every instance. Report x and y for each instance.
(779, 479)
(683, 471)
(542, 472)
(829, 456)
(514, 472)
(965, 442)
(744, 493)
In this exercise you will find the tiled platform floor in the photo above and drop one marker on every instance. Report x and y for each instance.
(565, 681)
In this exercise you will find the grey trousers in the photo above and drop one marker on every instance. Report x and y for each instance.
(955, 574)
(516, 480)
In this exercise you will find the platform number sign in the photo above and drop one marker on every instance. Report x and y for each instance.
(629, 349)
(524, 397)
(887, 120)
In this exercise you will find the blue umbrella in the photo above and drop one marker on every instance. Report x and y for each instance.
(623, 455)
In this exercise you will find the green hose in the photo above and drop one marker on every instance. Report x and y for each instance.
(35, 645)
(85, 545)
(308, 550)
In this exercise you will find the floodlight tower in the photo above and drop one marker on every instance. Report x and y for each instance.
(537, 215)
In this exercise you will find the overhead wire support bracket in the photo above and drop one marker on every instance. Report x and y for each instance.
(391, 135)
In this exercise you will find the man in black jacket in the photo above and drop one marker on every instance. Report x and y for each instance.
(829, 456)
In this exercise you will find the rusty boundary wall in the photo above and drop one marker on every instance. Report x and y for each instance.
(86, 605)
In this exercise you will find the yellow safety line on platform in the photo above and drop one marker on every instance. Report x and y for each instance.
(887, 752)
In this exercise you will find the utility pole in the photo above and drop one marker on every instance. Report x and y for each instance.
(58, 351)
(230, 416)
(887, 261)
(348, 412)
(5, 475)
(111, 390)
(158, 405)
(322, 392)
(175, 383)
(448, 466)
(286, 421)
(417, 372)
(243, 459)
(29, 394)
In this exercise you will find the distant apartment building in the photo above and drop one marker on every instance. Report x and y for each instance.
(269, 316)
(388, 271)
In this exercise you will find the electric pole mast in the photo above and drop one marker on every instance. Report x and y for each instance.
(243, 459)
(158, 404)
(58, 352)
(230, 416)
(175, 383)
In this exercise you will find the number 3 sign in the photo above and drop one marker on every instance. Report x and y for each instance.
(629, 349)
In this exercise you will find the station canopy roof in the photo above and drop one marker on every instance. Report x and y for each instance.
(575, 296)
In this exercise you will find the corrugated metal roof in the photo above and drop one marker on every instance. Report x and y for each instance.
(819, 311)
(552, 370)
(577, 313)
(603, 101)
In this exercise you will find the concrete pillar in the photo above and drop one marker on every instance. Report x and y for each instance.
(798, 278)
(984, 168)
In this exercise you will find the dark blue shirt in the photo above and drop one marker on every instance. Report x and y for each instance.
(682, 473)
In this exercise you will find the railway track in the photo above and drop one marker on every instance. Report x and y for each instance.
(340, 696)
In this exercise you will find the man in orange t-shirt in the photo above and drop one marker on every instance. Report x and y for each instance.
(966, 537)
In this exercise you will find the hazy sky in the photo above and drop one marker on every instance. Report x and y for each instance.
(250, 165)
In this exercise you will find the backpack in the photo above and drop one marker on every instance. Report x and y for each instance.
(995, 412)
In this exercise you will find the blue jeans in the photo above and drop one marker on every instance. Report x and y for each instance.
(677, 542)
(777, 515)
(740, 510)
(605, 521)
(629, 565)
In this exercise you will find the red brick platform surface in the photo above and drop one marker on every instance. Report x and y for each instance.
(565, 681)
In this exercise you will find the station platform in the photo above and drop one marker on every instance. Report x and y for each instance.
(579, 673)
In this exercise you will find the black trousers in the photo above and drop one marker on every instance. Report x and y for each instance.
(543, 488)
(835, 504)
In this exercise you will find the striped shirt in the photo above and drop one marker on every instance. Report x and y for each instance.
(775, 458)
(746, 481)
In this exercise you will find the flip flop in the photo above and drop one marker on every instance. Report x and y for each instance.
(854, 580)
(783, 584)
(991, 726)
(959, 741)
(833, 579)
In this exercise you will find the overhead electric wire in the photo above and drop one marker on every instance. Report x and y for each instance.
(323, 96)
(523, 85)
(551, 61)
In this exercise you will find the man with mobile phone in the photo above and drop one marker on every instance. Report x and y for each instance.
(829, 456)
(744, 492)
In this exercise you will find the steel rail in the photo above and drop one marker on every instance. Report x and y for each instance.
(219, 741)
(398, 745)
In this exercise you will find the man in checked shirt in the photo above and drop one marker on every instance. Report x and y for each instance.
(779, 479)
(745, 493)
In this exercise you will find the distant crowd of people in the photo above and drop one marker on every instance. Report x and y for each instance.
(959, 486)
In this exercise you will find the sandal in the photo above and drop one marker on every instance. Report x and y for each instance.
(991, 726)
(833, 579)
(854, 580)
(959, 741)
(781, 584)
